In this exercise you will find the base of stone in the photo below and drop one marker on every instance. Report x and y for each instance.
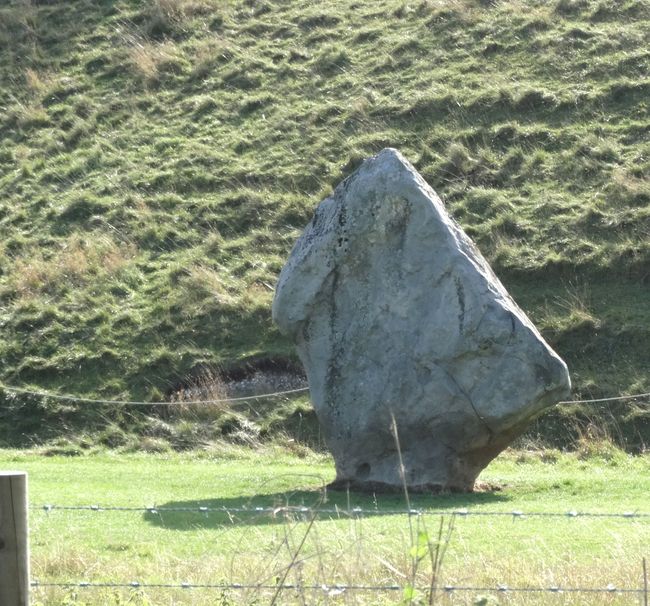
(381, 487)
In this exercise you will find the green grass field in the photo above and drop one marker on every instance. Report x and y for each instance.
(159, 158)
(372, 549)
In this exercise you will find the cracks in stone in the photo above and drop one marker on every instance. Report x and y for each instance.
(333, 372)
(471, 402)
(442, 276)
(478, 325)
(460, 293)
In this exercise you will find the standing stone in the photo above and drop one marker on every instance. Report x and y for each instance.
(396, 315)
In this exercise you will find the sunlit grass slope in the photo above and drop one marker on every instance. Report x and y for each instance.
(159, 158)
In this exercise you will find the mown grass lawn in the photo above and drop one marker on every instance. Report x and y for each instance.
(350, 549)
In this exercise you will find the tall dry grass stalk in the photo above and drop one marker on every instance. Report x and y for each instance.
(422, 544)
(202, 399)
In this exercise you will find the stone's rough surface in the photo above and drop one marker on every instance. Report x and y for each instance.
(395, 314)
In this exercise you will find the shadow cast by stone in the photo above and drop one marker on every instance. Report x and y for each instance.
(283, 507)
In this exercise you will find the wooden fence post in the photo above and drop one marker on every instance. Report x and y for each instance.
(14, 544)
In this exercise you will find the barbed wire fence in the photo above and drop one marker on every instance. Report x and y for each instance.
(329, 589)
(308, 515)
(338, 588)
(342, 512)
(288, 392)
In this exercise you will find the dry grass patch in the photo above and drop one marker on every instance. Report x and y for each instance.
(35, 81)
(164, 18)
(151, 61)
(202, 280)
(175, 10)
(258, 295)
(74, 262)
(209, 53)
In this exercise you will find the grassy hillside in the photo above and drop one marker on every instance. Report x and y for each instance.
(158, 159)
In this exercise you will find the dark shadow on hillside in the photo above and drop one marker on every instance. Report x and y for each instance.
(295, 506)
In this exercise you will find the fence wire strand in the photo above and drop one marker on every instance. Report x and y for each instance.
(639, 396)
(333, 589)
(337, 588)
(338, 511)
(72, 398)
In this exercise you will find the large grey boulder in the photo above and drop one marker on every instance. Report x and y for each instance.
(396, 314)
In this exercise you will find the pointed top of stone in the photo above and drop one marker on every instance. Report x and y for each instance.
(390, 154)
